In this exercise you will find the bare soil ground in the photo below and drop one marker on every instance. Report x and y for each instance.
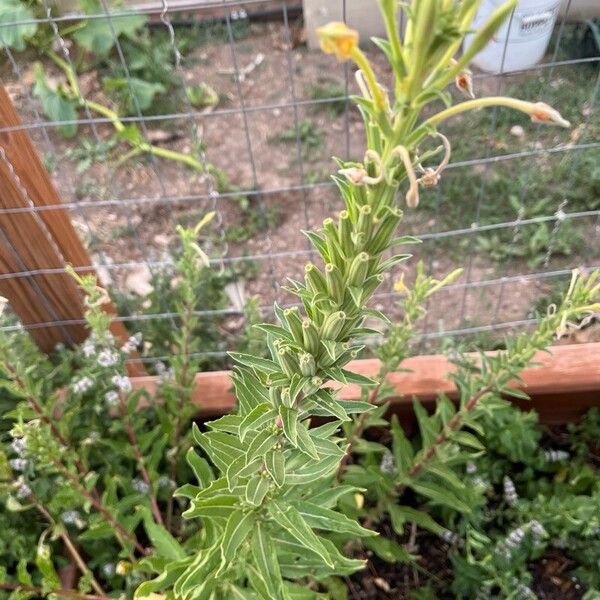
(126, 213)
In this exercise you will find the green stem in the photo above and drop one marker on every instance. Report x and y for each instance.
(116, 122)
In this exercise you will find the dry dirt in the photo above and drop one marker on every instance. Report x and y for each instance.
(146, 197)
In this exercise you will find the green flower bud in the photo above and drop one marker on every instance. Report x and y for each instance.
(288, 361)
(334, 248)
(335, 282)
(294, 322)
(310, 387)
(310, 336)
(371, 284)
(345, 233)
(286, 399)
(274, 396)
(365, 220)
(307, 364)
(382, 237)
(315, 280)
(333, 325)
(359, 269)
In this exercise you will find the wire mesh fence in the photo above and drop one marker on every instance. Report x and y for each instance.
(171, 110)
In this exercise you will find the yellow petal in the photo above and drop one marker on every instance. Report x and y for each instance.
(337, 38)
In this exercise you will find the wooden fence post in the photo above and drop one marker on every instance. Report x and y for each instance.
(33, 240)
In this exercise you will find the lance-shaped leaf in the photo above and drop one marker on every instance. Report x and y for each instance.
(218, 507)
(292, 521)
(238, 528)
(314, 471)
(319, 517)
(275, 464)
(262, 442)
(256, 489)
(201, 468)
(256, 419)
(289, 423)
(255, 362)
(305, 443)
(265, 559)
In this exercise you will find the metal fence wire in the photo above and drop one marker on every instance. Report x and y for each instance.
(518, 207)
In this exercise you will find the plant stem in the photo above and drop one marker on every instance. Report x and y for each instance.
(451, 426)
(139, 457)
(184, 384)
(121, 533)
(70, 546)
(42, 593)
(116, 122)
(359, 426)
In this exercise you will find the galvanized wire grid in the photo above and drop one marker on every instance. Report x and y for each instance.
(469, 289)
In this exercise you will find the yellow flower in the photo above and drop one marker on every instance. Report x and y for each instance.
(400, 286)
(337, 38)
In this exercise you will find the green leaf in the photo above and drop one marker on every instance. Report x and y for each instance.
(257, 418)
(388, 550)
(218, 507)
(305, 443)
(289, 420)
(262, 442)
(265, 559)
(275, 464)
(162, 541)
(238, 528)
(57, 107)
(256, 489)
(15, 36)
(319, 517)
(255, 362)
(440, 495)
(201, 468)
(401, 447)
(133, 93)
(291, 520)
(314, 471)
(403, 514)
(99, 35)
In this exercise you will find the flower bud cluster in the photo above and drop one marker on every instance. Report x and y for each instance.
(510, 493)
(553, 456)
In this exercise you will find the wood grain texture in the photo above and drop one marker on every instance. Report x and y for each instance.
(562, 387)
(34, 240)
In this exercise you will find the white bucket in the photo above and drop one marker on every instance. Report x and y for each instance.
(530, 30)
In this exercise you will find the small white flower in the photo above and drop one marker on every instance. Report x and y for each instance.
(18, 464)
(23, 491)
(449, 536)
(80, 386)
(19, 446)
(88, 348)
(166, 482)
(387, 466)
(510, 493)
(59, 347)
(471, 467)
(480, 481)
(108, 569)
(122, 382)
(71, 517)
(112, 398)
(553, 456)
(140, 486)
(132, 343)
(537, 531)
(107, 358)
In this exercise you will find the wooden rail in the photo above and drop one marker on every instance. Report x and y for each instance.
(32, 240)
(562, 387)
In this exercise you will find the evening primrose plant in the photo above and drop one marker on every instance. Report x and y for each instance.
(265, 488)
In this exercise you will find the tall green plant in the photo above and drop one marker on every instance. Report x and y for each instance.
(269, 488)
